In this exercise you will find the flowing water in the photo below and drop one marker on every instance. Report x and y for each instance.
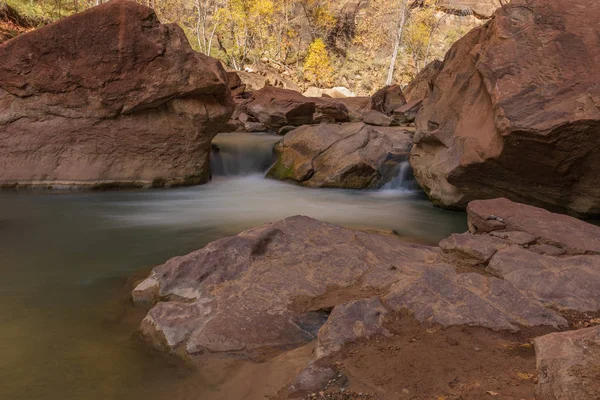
(66, 329)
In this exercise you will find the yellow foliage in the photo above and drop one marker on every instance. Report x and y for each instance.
(317, 65)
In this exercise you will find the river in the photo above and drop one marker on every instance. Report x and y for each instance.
(67, 330)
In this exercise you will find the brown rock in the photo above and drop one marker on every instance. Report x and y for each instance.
(441, 296)
(269, 286)
(373, 117)
(561, 282)
(275, 108)
(108, 97)
(351, 155)
(570, 234)
(471, 250)
(514, 112)
(349, 322)
(387, 99)
(408, 112)
(420, 87)
(568, 365)
(273, 266)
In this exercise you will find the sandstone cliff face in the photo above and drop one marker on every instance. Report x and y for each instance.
(108, 97)
(515, 111)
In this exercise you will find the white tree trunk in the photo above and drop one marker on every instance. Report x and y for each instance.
(401, 21)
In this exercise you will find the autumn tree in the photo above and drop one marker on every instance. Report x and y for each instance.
(317, 65)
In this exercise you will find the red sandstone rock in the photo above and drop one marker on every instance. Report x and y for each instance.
(108, 97)
(515, 111)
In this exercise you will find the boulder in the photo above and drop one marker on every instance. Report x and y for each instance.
(567, 283)
(502, 215)
(568, 365)
(275, 108)
(514, 112)
(420, 87)
(339, 92)
(387, 99)
(408, 112)
(108, 97)
(292, 271)
(287, 283)
(351, 155)
(373, 117)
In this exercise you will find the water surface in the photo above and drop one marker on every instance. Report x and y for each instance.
(65, 329)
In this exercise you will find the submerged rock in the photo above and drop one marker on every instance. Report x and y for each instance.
(353, 155)
(514, 112)
(106, 97)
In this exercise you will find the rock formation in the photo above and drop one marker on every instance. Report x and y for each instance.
(297, 280)
(514, 112)
(354, 155)
(275, 108)
(569, 365)
(483, 9)
(108, 97)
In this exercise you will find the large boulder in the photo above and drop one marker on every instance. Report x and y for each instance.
(352, 155)
(292, 271)
(287, 283)
(514, 112)
(568, 365)
(420, 87)
(108, 97)
(276, 107)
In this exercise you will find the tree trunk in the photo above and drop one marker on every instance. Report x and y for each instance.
(401, 20)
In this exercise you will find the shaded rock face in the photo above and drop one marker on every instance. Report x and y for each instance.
(387, 99)
(297, 280)
(351, 155)
(514, 112)
(568, 365)
(108, 96)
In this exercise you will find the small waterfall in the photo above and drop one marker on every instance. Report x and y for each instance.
(404, 179)
(241, 153)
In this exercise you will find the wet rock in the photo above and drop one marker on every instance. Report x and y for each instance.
(485, 133)
(80, 106)
(568, 365)
(351, 155)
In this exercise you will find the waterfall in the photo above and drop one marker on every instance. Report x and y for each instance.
(404, 179)
(241, 153)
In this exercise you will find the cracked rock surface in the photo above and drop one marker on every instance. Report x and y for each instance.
(287, 283)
